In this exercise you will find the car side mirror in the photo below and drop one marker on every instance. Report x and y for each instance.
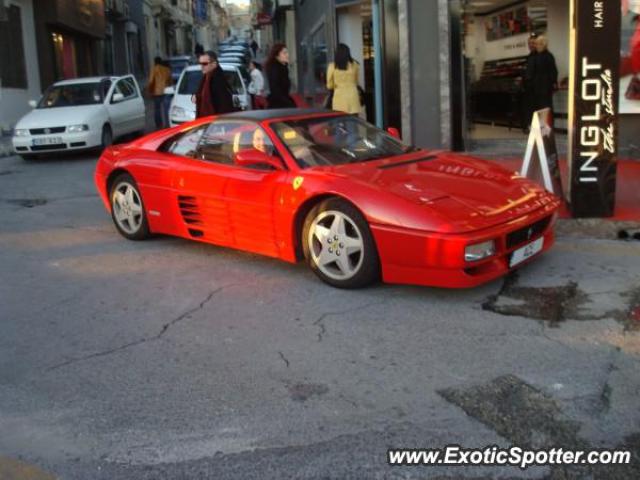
(394, 132)
(117, 97)
(33, 103)
(169, 91)
(257, 158)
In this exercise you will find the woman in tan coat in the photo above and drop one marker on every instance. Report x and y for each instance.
(342, 79)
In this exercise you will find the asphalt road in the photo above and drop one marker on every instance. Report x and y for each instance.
(169, 359)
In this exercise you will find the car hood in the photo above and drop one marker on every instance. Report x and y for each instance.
(464, 192)
(60, 116)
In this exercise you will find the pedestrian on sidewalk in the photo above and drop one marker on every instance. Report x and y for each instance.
(159, 79)
(342, 80)
(277, 68)
(214, 94)
(254, 48)
(545, 75)
(256, 86)
(528, 101)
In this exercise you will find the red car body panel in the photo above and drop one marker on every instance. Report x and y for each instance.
(423, 208)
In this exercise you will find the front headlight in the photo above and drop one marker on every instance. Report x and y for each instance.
(479, 251)
(77, 128)
(178, 112)
(21, 132)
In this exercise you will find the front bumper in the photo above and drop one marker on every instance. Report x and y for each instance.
(68, 142)
(437, 260)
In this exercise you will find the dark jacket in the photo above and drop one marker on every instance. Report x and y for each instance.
(530, 71)
(279, 86)
(545, 77)
(219, 97)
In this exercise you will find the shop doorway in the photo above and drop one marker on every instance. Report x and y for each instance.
(72, 56)
(495, 48)
(354, 25)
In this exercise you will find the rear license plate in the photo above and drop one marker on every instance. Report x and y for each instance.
(47, 141)
(526, 252)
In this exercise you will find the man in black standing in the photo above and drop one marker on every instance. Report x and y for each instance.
(214, 95)
(545, 78)
(528, 101)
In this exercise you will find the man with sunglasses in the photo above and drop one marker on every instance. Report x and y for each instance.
(214, 95)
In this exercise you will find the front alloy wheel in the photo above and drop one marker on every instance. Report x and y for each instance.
(127, 209)
(338, 245)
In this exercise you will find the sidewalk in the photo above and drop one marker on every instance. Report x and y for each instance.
(6, 148)
(627, 210)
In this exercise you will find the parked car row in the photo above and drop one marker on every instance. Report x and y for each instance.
(183, 109)
(89, 113)
(79, 114)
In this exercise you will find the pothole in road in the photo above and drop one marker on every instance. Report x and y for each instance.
(28, 202)
(301, 392)
(542, 303)
(559, 303)
(516, 411)
(529, 418)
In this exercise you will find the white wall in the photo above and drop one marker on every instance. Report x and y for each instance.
(558, 34)
(14, 101)
(349, 21)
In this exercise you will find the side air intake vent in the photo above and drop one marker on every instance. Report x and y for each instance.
(190, 211)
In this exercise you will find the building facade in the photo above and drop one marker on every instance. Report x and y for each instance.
(43, 41)
(19, 73)
(448, 73)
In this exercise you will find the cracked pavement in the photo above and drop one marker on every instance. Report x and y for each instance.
(172, 359)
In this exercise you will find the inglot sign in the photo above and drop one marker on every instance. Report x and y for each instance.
(593, 107)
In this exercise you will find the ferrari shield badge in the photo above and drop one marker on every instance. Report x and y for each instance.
(297, 182)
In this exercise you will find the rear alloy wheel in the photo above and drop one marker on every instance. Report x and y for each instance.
(338, 245)
(127, 209)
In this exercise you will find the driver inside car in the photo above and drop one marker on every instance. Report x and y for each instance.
(259, 141)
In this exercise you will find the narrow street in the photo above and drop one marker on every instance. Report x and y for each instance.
(173, 359)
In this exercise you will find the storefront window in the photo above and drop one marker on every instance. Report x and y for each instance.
(108, 54)
(65, 56)
(319, 54)
(630, 57)
(12, 63)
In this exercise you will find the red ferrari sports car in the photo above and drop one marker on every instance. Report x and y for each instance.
(353, 201)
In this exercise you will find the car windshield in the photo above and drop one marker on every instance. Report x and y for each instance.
(336, 141)
(76, 94)
(177, 66)
(191, 81)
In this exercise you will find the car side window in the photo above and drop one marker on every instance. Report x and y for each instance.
(131, 85)
(126, 88)
(105, 85)
(224, 139)
(186, 143)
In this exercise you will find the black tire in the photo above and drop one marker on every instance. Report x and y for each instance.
(107, 137)
(141, 231)
(29, 157)
(368, 269)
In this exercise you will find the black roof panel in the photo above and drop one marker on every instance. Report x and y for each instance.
(261, 115)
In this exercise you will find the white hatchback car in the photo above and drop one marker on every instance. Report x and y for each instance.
(80, 114)
(182, 107)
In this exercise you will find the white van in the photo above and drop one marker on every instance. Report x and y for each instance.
(183, 109)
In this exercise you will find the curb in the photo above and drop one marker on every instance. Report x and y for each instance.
(597, 228)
